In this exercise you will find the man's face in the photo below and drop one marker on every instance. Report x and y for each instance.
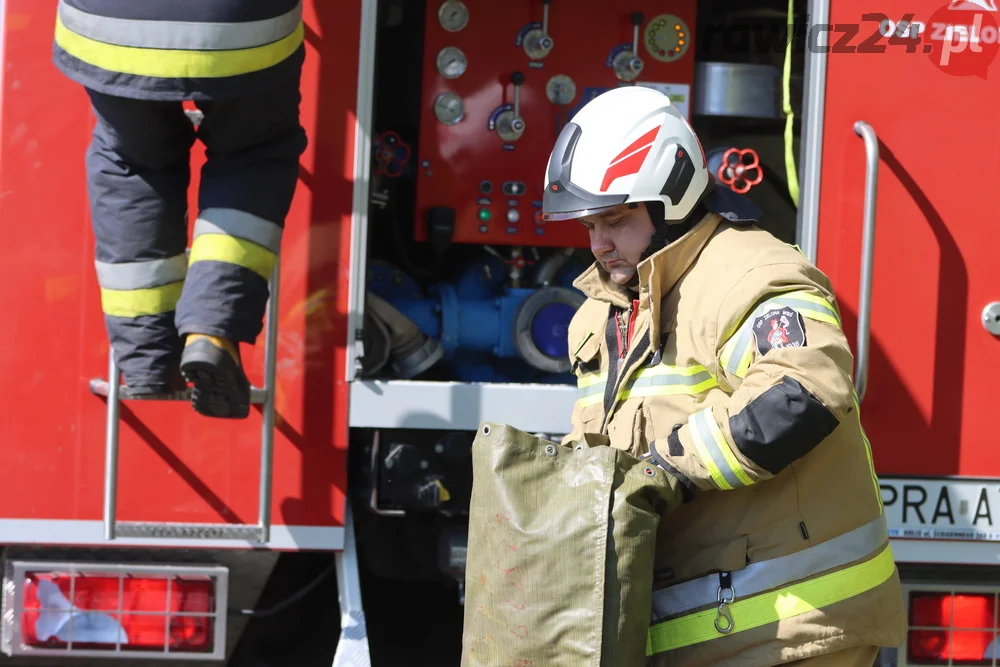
(618, 237)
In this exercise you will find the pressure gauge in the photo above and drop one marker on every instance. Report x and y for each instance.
(451, 62)
(560, 89)
(453, 15)
(449, 108)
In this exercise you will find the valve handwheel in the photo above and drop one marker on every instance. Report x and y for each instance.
(740, 169)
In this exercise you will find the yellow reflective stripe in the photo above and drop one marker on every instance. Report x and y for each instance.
(590, 379)
(666, 380)
(146, 301)
(728, 350)
(715, 452)
(223, 248)
(727, 451)
(868, 451)
(824, 312)
(706, 457)
(590, 388)
(176, 64)
(659, 380)
(744, 365)
(775, 606)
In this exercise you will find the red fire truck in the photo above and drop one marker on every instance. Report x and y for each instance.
(419, 294)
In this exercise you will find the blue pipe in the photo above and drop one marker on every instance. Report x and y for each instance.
(473, 316)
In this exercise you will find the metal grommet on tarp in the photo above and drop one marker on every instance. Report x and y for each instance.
(649, 471)
(486, 429)
(550, 450)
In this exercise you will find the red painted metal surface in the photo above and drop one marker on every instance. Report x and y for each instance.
(453, 160)
(931, 401)
(174, 464)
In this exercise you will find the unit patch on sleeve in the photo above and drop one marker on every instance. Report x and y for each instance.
(778, 328)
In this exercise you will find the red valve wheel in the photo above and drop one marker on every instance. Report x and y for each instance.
(740, 169)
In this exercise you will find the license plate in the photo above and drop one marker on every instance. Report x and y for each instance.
(942, 509)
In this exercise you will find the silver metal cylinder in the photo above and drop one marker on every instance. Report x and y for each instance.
(736, 90)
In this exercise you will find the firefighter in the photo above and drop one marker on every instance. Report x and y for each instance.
(169, 313)
(715, 351)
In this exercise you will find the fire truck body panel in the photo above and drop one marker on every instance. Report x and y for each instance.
(930, 361)
(173, 464)
(926, 354)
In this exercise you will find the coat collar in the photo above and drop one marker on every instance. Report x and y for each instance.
(659, 272)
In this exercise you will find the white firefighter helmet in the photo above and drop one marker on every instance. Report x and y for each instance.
(629, 144)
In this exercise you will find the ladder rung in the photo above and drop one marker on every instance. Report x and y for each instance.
(100, 387)
(198, 531)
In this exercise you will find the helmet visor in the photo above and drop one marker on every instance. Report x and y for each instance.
(558, 216)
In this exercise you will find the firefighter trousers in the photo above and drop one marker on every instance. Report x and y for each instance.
(153, 290)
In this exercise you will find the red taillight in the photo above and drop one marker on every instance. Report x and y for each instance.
(137, 613)
(960, 627)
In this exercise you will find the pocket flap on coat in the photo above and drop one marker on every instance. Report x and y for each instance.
(681, 566)
(584, 352)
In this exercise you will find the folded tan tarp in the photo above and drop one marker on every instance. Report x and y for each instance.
(559, 568)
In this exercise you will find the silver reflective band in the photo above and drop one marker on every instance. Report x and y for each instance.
(774, 573)
(181, 35)
(142, 275)
(648, 377)
(699, 421)
(240, 224)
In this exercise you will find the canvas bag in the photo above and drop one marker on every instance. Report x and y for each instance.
(559, 568)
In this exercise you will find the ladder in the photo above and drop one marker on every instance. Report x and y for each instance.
(115, 393)
(352, 647)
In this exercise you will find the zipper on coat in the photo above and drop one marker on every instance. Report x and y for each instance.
(725, 596)
(626, 327)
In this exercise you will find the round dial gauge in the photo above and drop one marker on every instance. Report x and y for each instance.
(449, 108)
(453, 15)
(560, 89)
(667, 38)
(451, 62)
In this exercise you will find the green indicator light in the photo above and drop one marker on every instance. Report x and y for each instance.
(484, 214)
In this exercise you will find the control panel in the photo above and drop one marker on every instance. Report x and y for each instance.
(501, 79)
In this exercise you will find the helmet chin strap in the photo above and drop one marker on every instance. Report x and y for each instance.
(666, 233)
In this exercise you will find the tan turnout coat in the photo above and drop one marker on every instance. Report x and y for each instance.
(737, 379)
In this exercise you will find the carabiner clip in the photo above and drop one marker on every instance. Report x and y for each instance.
(726, 594)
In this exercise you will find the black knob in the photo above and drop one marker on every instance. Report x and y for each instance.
(517, 78)
(636, 18)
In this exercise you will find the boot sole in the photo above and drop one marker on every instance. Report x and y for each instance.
(220, 388)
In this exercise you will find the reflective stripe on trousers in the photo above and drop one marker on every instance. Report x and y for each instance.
(763, 593)
(133, 289)
(236, 237)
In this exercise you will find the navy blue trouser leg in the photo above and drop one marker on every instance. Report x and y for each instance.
(253, 147)
(138, 171)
